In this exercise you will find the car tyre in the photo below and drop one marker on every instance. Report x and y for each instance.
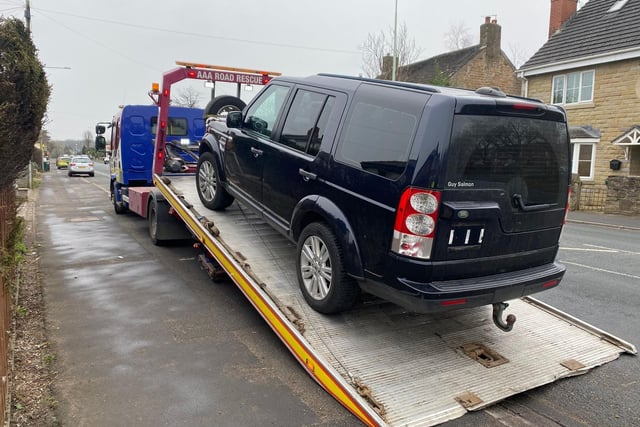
(323, 280)
(210, 191)
(91, 174)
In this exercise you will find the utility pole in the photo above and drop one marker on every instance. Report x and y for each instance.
(27, 15)
(395, 43)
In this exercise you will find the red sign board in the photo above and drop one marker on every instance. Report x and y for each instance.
(226, 76)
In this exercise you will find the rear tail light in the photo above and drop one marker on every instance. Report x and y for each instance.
(415, 225)
(566, 208)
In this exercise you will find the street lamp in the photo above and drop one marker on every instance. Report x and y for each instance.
(395, 43)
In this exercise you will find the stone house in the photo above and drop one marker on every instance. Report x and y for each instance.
(484, 64)
(591, 66)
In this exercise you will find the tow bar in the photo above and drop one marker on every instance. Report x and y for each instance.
(498, 309)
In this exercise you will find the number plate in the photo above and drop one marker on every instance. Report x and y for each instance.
(466, 236)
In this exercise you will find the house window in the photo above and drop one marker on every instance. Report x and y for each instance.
(573, 88)
(584, 156)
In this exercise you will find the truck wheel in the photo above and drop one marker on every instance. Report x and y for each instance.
(118, 207)
(153, 224)
(325, 284)
(223, 104)
(211, 193)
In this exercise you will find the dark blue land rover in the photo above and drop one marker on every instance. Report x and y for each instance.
(433, 198)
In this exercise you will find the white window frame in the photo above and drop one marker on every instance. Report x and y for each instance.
(581, 89)
(576, 145)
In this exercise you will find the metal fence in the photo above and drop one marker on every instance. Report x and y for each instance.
(592, 199)
(7, 222)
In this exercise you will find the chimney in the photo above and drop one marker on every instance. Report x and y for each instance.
(561, 10)
(490, 34)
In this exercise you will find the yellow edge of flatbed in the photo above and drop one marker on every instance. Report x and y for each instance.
(274, 317)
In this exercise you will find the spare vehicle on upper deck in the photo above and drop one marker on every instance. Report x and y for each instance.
(433, 198)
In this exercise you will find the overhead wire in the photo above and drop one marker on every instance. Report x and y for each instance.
(99, 43)
(193, 34)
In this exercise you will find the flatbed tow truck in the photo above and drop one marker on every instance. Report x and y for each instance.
(385, 365)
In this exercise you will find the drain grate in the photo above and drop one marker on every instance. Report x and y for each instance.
(483, 355)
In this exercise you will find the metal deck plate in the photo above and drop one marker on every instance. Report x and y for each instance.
(414, 367)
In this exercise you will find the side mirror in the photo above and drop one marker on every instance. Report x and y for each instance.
(234, 119)
(100, 143)
(100, 129)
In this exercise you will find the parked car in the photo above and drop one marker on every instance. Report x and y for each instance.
(62, 162)
(80, 165)
(433, 198)
(106, 160)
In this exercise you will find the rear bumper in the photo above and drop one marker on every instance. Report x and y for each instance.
(465, 293)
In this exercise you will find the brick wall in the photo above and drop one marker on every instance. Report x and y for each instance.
(615, 109)
(484, 71)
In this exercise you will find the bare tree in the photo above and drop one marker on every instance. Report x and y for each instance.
(517, 55)
(87, 141)
(458, 37)
(188, 97)
(380, 45)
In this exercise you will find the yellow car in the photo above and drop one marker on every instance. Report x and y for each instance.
(62, 162)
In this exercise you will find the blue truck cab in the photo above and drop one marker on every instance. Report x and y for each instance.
(133, 134)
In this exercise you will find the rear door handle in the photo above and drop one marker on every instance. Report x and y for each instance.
(519, 202)
(307, 175)
(256, 152)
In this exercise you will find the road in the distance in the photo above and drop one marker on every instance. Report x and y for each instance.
(143, 333)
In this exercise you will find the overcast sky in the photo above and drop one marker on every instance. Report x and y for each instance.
(115, 49)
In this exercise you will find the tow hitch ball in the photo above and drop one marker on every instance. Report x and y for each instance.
(498, 309)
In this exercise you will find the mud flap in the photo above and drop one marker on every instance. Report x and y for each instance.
(164, 227)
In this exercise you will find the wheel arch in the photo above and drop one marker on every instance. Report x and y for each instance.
(210, 145)
(320, 209)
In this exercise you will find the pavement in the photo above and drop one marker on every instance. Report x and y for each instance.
(625, 222)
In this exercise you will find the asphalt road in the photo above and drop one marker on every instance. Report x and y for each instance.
(144, 338)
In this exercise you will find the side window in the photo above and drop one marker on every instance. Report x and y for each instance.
(177, 126)
(262, 115)
(306, 122)
(573, 88)
(379, 129)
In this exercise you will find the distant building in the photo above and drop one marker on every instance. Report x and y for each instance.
(591, 66)
(484, 64)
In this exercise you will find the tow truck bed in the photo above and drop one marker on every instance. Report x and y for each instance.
(385, 365)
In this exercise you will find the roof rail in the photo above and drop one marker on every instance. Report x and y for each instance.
(418, 86)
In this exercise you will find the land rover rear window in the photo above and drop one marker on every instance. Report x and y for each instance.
(523, 156)
(379, 129)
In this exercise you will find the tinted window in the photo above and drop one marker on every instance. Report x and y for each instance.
(262, 115)
(379, 129)
(178, 126)
(523, 156)
(306, 122)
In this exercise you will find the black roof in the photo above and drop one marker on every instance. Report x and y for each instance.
(592, 30)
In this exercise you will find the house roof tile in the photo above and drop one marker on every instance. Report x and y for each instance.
(448, 63)
(592, 30)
